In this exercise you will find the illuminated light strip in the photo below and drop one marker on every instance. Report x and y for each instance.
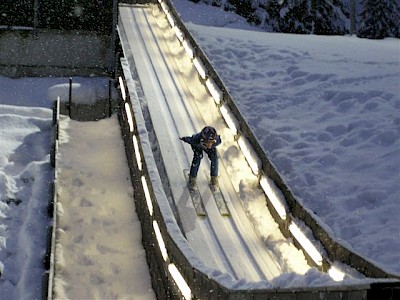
(170, 20)
(55, 158)
(137, 152)
(200, 68)
(58, 110)
(250, 155)
(160, 241)
(164, 7)
(229, 119)
(147, 195)
(188, 48)
(129, 115)
(180, 282)
(271, 191)
(214, 90)
(305, 243)
(179, 34)
(336, 274)
(121, 84)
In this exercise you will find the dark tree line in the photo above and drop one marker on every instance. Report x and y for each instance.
(374, 19)
(380, 19)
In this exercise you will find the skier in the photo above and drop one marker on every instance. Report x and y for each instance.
(207, 140)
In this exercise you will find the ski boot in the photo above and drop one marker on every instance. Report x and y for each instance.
(192, 183)
(214, 184)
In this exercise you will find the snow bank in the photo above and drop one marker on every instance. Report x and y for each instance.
(83, 93)
(25, 175)
(326, 112)
(41, 92)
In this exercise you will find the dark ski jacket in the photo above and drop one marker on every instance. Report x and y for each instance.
(195, 142)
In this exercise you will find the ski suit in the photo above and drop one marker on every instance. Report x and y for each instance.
(198, 148)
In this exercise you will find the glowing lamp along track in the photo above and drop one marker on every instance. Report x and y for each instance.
(147, 195)
(271, 191)
(306, 243)
(214, 90)
(121, 84)
(129, 116)
(200, 68)
(179, 33)
(171, 20)
(160, 241)
(188, 48)
(180, 281)
(229, 118)
(137, 152)
(250, 155)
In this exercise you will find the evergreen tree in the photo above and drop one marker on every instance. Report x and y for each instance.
(307, 16)
(327, 17)
(379, 19)
(246, 9)
(295, 16)
(270, 20)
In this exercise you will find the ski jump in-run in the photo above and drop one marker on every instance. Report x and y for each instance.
(205, 141)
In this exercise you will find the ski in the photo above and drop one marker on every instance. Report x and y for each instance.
(196, 197)
(219, 199)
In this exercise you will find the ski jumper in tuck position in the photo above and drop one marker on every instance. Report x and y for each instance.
(205, 141)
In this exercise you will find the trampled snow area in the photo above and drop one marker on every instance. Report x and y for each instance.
(99, 242)
(327, 112)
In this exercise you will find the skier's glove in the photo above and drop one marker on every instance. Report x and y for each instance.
(207, 144)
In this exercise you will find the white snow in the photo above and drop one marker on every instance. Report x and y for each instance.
(99, 231)
(86, 93)
(25, 173)
(325, 109)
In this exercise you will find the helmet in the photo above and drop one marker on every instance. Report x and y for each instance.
(208, 133)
